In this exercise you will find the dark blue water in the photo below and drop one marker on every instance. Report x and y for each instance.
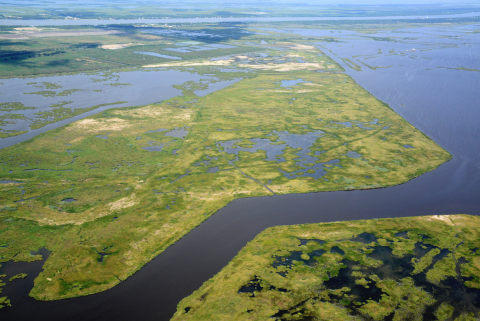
(443, 103)
(419, 76)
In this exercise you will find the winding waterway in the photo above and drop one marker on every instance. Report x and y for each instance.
(443, 103)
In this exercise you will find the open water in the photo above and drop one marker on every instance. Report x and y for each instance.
(91, 22)
(111, 89)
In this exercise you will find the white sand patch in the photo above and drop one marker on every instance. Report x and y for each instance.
(296, 46)
(27, 29)
(93, 125)
(293, 46)
(155, 111)
(445, 218)
(189, 64)
(304, 47)
(290, 66)
(301, 91)
(119, 46)
(122, 203)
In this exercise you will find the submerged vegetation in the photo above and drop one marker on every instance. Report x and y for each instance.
(416, 268)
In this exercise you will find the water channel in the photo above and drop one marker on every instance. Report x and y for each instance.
(441, 102)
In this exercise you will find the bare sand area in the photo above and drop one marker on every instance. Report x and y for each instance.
(119, 46)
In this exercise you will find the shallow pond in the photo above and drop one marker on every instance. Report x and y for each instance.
(290, 83)
(178, 132)
(275, 150)
(353, 154)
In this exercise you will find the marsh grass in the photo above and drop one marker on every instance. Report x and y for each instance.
(348, 271)
(131, 204)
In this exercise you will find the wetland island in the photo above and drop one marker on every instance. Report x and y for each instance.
(121, 141)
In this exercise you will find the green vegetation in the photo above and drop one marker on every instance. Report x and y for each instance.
(96, 49)
(67, 49)
(45, 85)
(59, 113)
(61, 104)
(351, 64)
(358, 270)
(4, 119)
(13, 106)
(51, 93)
(462, 68)
(10, 119)
(4, 301)
(18, 276)
(104, 205)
